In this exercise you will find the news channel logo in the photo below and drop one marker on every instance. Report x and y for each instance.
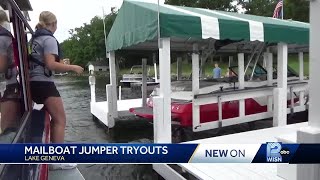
(275, 152)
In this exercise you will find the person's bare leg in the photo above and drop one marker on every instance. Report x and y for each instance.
(10, 115)
(54, 106)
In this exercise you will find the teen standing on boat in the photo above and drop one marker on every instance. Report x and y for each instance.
(10, 105)
(45, 58)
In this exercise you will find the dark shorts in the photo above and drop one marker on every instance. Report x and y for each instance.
(12, 93)
(41, 90)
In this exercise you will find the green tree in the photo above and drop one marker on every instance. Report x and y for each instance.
(86, 43)
(297, 10)
(224, 5)
(258, 7)
(293, 9)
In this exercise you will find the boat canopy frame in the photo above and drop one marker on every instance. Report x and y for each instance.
(138, 31)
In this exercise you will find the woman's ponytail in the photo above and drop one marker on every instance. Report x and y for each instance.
(40, 25)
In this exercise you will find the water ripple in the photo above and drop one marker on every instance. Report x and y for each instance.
(81, 128)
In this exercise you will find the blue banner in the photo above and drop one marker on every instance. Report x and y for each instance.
(273, 152)
(96, 153)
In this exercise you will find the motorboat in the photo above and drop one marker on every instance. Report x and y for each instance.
(61, 74)
(134, 78)
(182, 96)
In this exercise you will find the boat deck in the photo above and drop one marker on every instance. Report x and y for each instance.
(73, 174)
(242, 171)
(100, 109)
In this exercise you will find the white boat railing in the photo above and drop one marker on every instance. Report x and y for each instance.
(237, 95)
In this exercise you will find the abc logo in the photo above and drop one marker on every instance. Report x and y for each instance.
(284, 151)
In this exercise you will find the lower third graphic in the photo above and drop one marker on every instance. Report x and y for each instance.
(273, 152)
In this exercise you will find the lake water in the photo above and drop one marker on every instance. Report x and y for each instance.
(81, 128)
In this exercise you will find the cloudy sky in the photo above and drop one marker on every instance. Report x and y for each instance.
(72, 13)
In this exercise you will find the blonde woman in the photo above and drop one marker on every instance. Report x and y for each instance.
(10, 98)
(45, 58)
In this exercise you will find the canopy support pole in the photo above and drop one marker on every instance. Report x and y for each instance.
(314, 90)
(195, 86)
(241, 83)
(92, 83)
(144, 82)
(162, 103)
(154, 58)
(301, 77)
(113, 82)
(179, 68)
(311, 133)
(280, 93)
(264, 63)
(268, 57)
(112, 91)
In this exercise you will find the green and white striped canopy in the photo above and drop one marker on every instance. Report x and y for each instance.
(137, 22)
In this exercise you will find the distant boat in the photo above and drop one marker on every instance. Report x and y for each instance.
(61, 74)
(134, 78)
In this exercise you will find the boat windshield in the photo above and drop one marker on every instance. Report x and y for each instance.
(257, 71)
(137, 69)
(291, 72)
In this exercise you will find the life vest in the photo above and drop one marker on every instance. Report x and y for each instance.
(44, 32)
(15, 61)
